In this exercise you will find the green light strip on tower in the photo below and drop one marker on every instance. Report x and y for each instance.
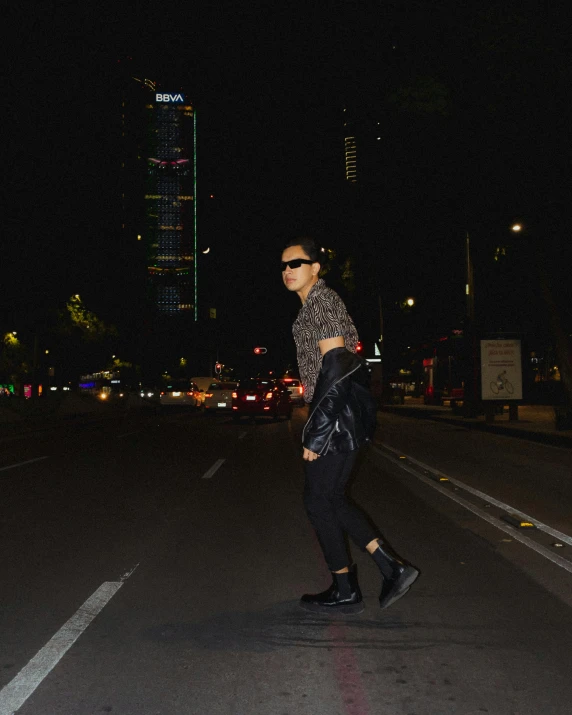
(195, 208)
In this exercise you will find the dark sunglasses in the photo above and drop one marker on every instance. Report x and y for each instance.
(296, 263)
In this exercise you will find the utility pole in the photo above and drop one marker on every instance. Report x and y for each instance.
(471, 390)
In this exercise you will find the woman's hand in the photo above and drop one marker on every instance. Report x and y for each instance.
(309, 456)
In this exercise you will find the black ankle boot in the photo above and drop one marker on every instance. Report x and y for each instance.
(343, 596)
(398, 574)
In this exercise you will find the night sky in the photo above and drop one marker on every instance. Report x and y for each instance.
(476, 110)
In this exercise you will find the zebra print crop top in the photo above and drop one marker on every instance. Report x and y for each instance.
(322, 316)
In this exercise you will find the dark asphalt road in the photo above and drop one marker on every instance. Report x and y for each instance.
(208, 622)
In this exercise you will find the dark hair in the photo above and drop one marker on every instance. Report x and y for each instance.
(310, 248)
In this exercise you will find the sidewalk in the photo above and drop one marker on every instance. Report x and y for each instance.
(535, 422)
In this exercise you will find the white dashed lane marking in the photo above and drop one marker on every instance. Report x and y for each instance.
(217, 465)
(21, 464)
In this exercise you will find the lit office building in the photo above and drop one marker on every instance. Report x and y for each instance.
(160, 163)
(350, 147)
(363, 146)
(170, 205)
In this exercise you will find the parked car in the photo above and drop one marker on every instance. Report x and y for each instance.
(259, 397)
(182, 392)
(219, 396)
(296, 390)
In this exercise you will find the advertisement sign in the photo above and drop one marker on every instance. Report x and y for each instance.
(501, 370)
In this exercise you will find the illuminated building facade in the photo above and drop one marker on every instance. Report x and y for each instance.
(362, 146)
(350, 147)
(169, 202)
(159, 186)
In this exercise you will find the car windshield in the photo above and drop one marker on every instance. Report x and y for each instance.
(256, 385)
(222, 386)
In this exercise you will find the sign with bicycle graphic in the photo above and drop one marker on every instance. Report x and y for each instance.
(501, 370)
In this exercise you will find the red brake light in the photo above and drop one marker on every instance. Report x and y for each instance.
(301, 390)
(189, 394)
(208, 394)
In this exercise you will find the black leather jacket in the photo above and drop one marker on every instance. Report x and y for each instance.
(343, 412)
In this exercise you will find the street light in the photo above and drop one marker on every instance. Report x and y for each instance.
(537, 254)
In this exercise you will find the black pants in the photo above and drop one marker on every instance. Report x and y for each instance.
(330, 512)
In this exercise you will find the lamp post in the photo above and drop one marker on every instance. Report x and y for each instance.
(470, 282)
(378, 371)
(471, 390)
(563, 415)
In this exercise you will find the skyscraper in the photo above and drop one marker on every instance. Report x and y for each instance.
(159, 189)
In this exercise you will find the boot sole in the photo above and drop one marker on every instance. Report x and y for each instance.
(408, 578)
(349, 609)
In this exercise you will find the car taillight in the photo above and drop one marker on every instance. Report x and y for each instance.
(209, 394)
(162, 393)
(268, 395)
(189, 394)
(301, 390)
(234, 395)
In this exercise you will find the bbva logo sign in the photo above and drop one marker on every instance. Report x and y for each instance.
(169, 98)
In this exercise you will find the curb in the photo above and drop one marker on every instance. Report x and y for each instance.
(552, 438)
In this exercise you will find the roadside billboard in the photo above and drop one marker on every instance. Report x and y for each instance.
(501, 370)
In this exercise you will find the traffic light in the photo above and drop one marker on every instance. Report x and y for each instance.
(259, 351)
(359, 347)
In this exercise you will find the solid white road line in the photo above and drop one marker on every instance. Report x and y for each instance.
(517, 536)
(217, 465)
(21, 464)
(18, 690)
(488, 499)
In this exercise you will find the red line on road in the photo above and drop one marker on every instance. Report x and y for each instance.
(347, 673)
